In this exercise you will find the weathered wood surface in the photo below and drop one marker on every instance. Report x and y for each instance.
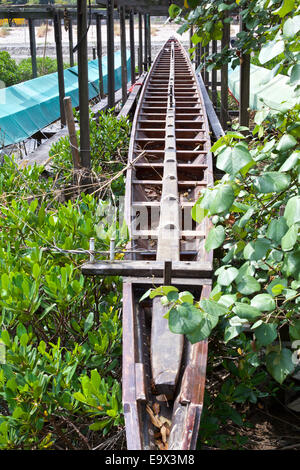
(143, 268)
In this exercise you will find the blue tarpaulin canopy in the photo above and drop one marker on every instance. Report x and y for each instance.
(30, 106)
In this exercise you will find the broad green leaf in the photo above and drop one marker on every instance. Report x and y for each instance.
(213, 308)
(233, 159)
(280, 364)
(286, 142)
(257, 249)
(24, 339)
(290, 238)
(270, 50)
(231, 332)
(286, 7)
(226, 276)
(174, 10)
(198, 212)
(276, 286)
(246, 311)
(291, 27)
(294, 330)
(186, 296)
(204, 329)
(291, 161)
(266, 333)
(215, 238)
(248, 285)
(263, 302)
(172, 296)
(292, 211)
(184, 318)
(291, 264)
(222, 199)
(5, 338)
(272, 182)
(277, 229)
(295, 74)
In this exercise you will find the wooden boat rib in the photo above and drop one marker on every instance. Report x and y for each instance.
(170, 165)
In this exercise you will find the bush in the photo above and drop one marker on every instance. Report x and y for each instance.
(8, 69)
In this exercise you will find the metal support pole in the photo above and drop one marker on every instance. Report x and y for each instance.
(140, 56)
(206, 73)
(85, 152)
(145, 43)
(99, 54)
(110, 54)
(224, 79)
(123, 53)
(244, 84)
(132, 48)
(71, 54)
(32, 47)
(60, 66)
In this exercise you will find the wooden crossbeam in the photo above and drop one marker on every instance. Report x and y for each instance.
(143, 268)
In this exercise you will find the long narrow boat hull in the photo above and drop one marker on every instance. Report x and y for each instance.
(163, 374)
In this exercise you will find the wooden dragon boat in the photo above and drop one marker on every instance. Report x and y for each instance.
(163, 374)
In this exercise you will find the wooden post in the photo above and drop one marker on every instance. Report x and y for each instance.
(149, 39)
(32, 47)
(132, 48)
(99, 54)
(145, 43)
(224, 79)
(70, 31)
(110, 54)
(214, 94)
(244, 84)
(206, 73)
(72, 131)
(60, 66)
(123, 53)
(85, 152)
(140, 57)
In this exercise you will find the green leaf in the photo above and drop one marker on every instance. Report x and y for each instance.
(291, 161)
(227, 276)
(5, 338)
(263, 302)
(215, 238)
(279, 364)
(276, 286)
(266, 333)
(222, 199)
(291, 27)
(257, 249)
(290, 238)
(248, 285)
(232, 159)
(270, 50)
(286, 7)
(172, 296)
(100, 424)
(294, 330)
(231, 332)
(198, 212)
(184, 318)
(204, 329)
(174, 11)
(186, 296)
(291, 264)
(286, 142)
(249, 312)
(272, 182)
(88, 322)
(213, 308)
(292, 211)
(295, 74)
(24, 339)
(277, 229)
